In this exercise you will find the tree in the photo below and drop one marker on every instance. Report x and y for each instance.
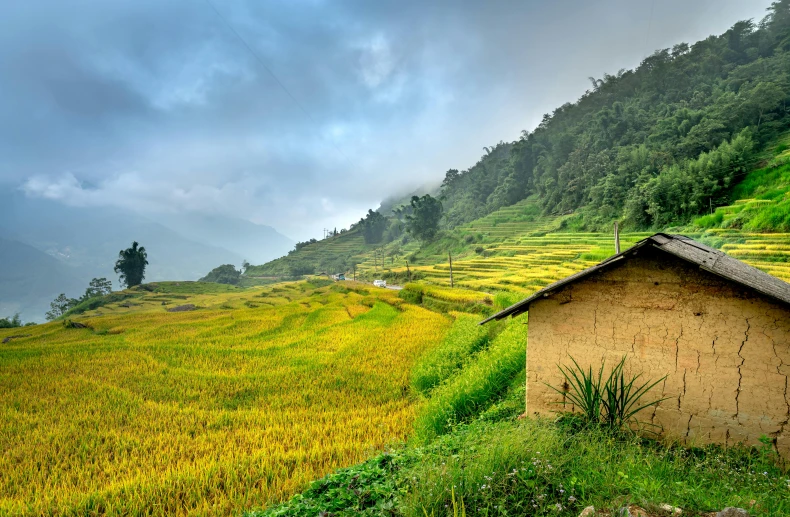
(244, 266)
(373, 226)
(131, 265)
(60, 306)
(97, 287)
(224, 274)
(423, 222)
(10, 323)
(450, 177)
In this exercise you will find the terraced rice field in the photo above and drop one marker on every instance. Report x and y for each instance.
(526, 263)
(205, 412)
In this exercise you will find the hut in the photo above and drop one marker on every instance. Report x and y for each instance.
(718, 328)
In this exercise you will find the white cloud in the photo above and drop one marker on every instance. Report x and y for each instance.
(376, 62)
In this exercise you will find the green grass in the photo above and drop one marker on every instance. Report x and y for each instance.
(500, 467)
(482, 381)
(538, 467)
(464, 338)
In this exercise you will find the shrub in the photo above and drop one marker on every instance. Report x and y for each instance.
(464, 338)
(411, 293)
(481, 382)
(613, 402)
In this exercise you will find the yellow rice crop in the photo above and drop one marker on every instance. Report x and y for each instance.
(207, 412)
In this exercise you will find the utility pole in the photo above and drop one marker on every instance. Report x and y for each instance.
(355, 272)
(451, 268)
(408, 271)
(616, 239)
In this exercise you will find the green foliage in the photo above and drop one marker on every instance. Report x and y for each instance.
(411, 293)
(423, 222)
(373, 226)
(97, 287)
(481, 382)
(316, 283)
(131, 265)
(775, 218)
(10, 322)
(95, 302)
(656, 145)
(224, 274)
(612, 402)
(60, 306)
(369, 489)
(537, 467)
(504, 299)
(464, 338)
(713, 220)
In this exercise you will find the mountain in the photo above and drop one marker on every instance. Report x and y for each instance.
(67, 246)
(254, 242)
(651, 147)
(655, 147)
(30, 279)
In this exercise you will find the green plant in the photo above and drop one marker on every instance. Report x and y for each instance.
(483, 380)
(612, 403)
(464, 338)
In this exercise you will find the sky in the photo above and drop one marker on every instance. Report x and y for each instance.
(299, 114)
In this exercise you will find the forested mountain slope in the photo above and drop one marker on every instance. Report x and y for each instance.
(654, 147)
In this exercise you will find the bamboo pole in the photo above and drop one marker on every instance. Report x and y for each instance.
(451, 268)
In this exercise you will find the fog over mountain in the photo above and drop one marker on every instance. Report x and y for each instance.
(159, 109)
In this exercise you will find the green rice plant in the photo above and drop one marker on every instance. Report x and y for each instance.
(612, 403)
(481, 382)
(504, 299)
(464, 339)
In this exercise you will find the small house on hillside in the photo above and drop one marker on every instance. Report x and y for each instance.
(719, 329)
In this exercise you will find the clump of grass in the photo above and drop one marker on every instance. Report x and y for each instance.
(482, 381)
(612, 402)
(504, 299)
(464, 338)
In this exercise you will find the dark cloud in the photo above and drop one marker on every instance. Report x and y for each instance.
(157, 107)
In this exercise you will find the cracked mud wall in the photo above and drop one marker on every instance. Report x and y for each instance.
(725, 348)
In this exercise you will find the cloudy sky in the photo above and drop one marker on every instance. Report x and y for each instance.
(321, 111)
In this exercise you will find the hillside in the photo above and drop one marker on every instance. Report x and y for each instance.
(30, 279)
(83, 243)
(654, 148)
(520, 249)
(234, 404)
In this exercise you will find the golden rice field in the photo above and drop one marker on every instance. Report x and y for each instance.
(526, 263)
(208, 412)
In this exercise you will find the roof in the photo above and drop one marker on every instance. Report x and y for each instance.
(707, 258)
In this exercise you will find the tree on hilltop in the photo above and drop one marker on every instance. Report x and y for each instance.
(131, 265)
(97, 287)
(60, 306)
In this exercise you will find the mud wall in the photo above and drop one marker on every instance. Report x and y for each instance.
(725, 349)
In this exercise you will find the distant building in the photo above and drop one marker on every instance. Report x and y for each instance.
(719, 329)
